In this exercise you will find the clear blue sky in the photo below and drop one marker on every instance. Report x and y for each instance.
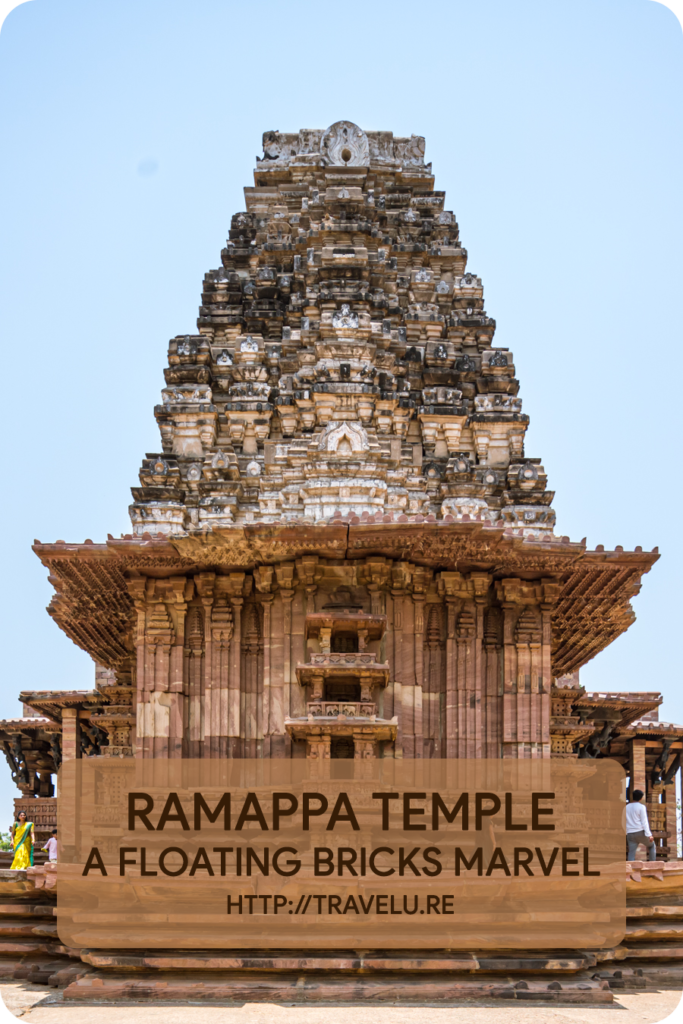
(128, 129)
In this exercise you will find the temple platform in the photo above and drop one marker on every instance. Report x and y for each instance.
(650, 958)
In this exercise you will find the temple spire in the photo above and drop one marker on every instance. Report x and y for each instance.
(344, 363)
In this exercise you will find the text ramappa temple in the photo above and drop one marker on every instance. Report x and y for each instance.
(343, 550)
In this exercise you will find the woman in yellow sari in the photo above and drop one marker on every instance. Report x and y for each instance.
(22, 836)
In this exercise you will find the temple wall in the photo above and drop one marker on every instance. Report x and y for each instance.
(216, 661)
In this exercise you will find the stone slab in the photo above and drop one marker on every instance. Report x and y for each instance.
(629, 1007)
(655, 913)
(21, 909)
(8, 947)
(236, 961)
(653, 930)
(648, 976)
(658, 952)
(26, 928)
(302, 989)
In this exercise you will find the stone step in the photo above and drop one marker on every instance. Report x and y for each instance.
(65, 975)
(37, 972)
(25, 947)
(21, 909)
(19, 929)
(662, 951)
(649, 976)
(404, 960)
(653, 930)
(293, 988)
(655, 913)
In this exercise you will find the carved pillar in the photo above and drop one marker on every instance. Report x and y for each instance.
(509, 658)
(287, 596)
(637, 772)
(451, 693)
(201, 702)
(418, 653)
(529, 712)
(671, 818)
(218, 683)
(388, 655)
(318, 750)
(481, 583)
(194, 645)
(494, 684)
(71, 749)
(71, 740)
(398, 667)
(136, 589)
(432, 693)
(251, 702)
(466, 694)
(550, 592)
(234, 724)
(265, 727)
(159, 639)
(364, 753)
(182, 591)
(375, 599)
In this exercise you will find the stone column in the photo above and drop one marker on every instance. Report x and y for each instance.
(234, 743)
(509, 656)
(466, 693)
(68, 783)
(493, 693)
(481, 583)
(204, 583)
(418, 650)
(375, 599)
(451, 692)
(178, 686)
(71, 738)
(671, 818)
(398, 668)
(136, 589)
(637, 765)
(550, 594)
(264, 728)
(287, 596)
(364, 753)
(318, 751)
(388, 655)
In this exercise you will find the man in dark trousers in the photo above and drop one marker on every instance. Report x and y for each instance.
(638, 827)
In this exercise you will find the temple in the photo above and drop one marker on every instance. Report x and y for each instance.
(342, 548)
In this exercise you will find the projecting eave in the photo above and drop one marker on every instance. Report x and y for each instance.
(657, 730)
(93, 605)
(631, 706)
(27, 724)
(51, 703)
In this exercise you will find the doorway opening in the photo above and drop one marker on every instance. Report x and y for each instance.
(342, 746)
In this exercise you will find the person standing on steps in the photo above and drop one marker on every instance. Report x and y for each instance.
(638, 827)
(51, 846)
(22, 842)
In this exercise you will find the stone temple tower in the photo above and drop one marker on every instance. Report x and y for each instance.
(341, 548)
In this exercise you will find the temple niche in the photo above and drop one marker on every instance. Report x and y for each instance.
(342, 548)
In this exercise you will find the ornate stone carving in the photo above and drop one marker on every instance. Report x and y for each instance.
(350, 436)
(345, 143)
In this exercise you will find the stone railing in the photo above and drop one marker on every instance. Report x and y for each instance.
(334, 708)
(353, 660)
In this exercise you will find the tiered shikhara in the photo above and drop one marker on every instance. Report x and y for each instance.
(342, 548)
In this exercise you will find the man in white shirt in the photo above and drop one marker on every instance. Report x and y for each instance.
(638, 827)
(51, 846)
